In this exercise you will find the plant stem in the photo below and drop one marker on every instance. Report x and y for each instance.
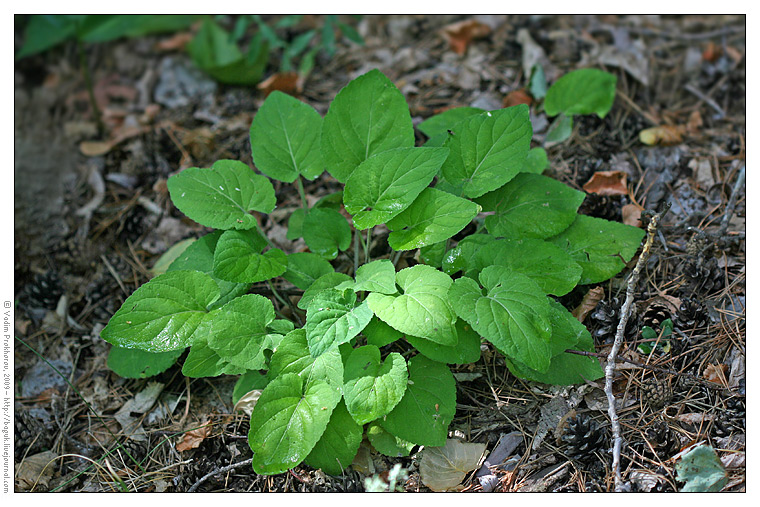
(357, 234)
(90, 90)
(366, 245)
(396, 257)
(301, 192)
(285, 301)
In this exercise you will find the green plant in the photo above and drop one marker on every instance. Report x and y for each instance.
(368, 350)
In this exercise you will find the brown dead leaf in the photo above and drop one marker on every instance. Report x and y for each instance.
(695, 418)
(459, 35)
(734, 54)
(711, 52)
(247, 402)
(607, 183)
(716, 373)
(694, 123)
(517, 97)
(589, 302)
(194, 438)
(35, 472)
(286, 82)
(632, 214)
(95, 148)
(176, 42)
(664, 135)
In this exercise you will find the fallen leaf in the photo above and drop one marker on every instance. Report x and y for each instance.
(716, 373)
(607, 183)
(695, 418)
(363, 460)
(194, 438)
(176, 42)
(632, 214)
(286, 82)
(711, 52)
(35, 472)
(664, 135)
(246, 403)
(734, 54)
(140, 404)
(444, 468)
(702, 170)
(459, 35)
(588, 303)
(702, 471)
(694, 123)
(95, 148)
(517, 97)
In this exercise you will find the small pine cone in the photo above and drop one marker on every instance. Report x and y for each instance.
(583, 437)
(732, 419)
(662, 439)
(30, 436)
(702, 275)
(697, 245)
(137, 451)
(656, 314)
(44, 291)
(655, 393)
(692, 314)
(133, 225)
(606, 317)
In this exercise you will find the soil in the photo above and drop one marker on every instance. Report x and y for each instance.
(90, 222)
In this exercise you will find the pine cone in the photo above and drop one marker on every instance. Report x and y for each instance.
(703, 275)
(606, 316)
(44, 291)
(655, 393)
(692, 314)
(583, 437)
(608, 207)
(656, 314)
(732, 419)
(662, 439)
(30, 436)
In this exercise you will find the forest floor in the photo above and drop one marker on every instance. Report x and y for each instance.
(92, 216)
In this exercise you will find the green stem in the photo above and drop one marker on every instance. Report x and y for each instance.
(285, 301)
(90, 90)
(366, 245)
(357, 233)
(301, 192)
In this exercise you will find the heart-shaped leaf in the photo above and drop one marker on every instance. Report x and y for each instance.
(371, 387)
(424, 413)
(385, 184)
(292, 356)
(367, 117)
(376, 276)
(285, 138)
(136, 363)
(203, 361)
(338, 445)
(513, 314)
(163, 314)
(333, 318)
(237, 258)
(304, 268)
(467, 349)
(531, 206)
(582, 91)
(488, 150)
(223, 196)
(326, 231)
(444, 468)
(423, 309)
(440, 123)
(327, 281)
(387, 444)
(433, 217)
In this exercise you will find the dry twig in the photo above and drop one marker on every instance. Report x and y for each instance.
(222, 470)
(609, 369)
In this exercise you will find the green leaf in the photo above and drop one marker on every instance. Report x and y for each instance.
(304, 268)
(367, 117)
(288, 420)
(292, 356)
(214, 51)
(547, 264)
(702, 471)
(376, 276)
(373, 388)
(350, 33)
(285, 138)
(203, 361)
(167, 258)
(295, 224)
(385, 184)
(281, 326)
(531, 206)
(583, 91)
(433, 255)
(467, 349)
(247, 382)
(440, 123)
(163, 314)
(537, 83)
(199, 256)
(223, 196)
(559, 130)
(423, 309)
(327, 281)
(424, 413)
(136, 363)
(513, 315)
(238, 331)
(338, 445)
(333, 318)
(326, 231)
(487, 150)
(433, 217)
(46, 31)
(237, 258)
(387, 444)
(102, 28)
(380, 334)
(536, 161)
(461, 257)
(599, 246)
(565, 368)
